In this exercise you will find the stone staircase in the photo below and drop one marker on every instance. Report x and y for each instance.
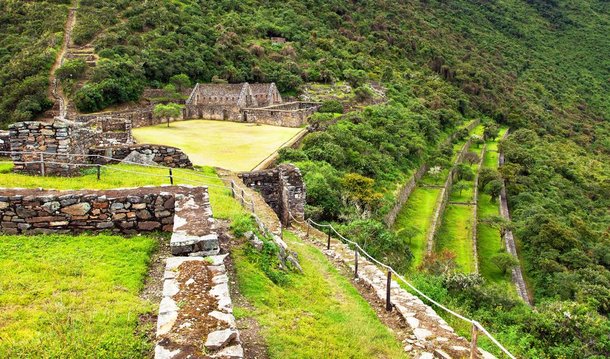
(196, 313)
(85, 53)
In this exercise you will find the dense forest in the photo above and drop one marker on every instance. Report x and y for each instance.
(540, 67)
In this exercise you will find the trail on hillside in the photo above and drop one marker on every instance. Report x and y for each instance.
(55, 89)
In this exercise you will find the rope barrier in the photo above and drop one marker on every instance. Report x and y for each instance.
(402, 279)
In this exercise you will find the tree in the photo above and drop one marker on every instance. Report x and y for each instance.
(471, 157)
(477, 140)
(180, 82)
(464, 172)
(499, 222)
(494, 188)
(505, 261)
(461, 186)
(487, 175)
(169, 111)
(491, 131)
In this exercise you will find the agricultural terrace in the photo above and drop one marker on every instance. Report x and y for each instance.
(489, 240)
(415, 218)
(231, 145)
(456, 233)
(64, 294)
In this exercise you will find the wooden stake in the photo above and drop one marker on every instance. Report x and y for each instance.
(356, 264)
(388, 303)
(171, 177)
(99, 170)
(473, 341)
(328, 243)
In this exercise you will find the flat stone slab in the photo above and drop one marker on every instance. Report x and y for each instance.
(184, 244)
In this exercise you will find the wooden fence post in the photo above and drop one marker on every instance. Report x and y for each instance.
(42, 164)
(356, 263)
(328, 242)
(473, 341)
(242, 198)
(388, 303)
(171, 177)
(99, 170)
(233, 188)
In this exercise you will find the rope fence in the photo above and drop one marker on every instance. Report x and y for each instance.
(239, 193)
(476, 326)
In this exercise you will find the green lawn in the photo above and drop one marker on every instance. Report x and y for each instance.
(115, 176)
(318, 315)
(455, 235)
(417, 213)
(73, 296)
(231, 145)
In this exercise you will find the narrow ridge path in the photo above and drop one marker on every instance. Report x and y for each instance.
(55, 89)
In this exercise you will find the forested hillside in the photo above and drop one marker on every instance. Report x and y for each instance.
(541, 68)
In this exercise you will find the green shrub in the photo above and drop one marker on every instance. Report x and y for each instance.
(331, 106)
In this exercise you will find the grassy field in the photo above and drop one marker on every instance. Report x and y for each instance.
(125, 176)
(417, 213)
(231, 145)
(73, 296)
(318, 315)
(455, 235)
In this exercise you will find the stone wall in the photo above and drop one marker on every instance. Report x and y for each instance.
(282, 188)
(127, 211)
(293, 114)
(403, 195)
(213, 112)
(61, 146)
(442, 200)
(145, 154)
(139, 117)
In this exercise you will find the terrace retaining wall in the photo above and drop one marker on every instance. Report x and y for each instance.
(403, 195)
(127, 211)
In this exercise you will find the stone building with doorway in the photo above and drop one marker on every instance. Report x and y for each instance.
(256, 103)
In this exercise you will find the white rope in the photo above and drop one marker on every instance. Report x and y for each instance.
(458, 315)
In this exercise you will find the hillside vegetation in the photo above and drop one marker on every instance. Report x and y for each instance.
(538, 67)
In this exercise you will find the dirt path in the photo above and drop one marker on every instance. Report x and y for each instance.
(55, 90)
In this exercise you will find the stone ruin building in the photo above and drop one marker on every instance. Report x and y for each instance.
(257, 103)
(282, 188)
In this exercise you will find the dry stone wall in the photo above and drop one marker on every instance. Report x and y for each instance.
(282, 188)
(403, 195)
(145, 154)
(127, 211)
(293, 114)
(63, 146)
